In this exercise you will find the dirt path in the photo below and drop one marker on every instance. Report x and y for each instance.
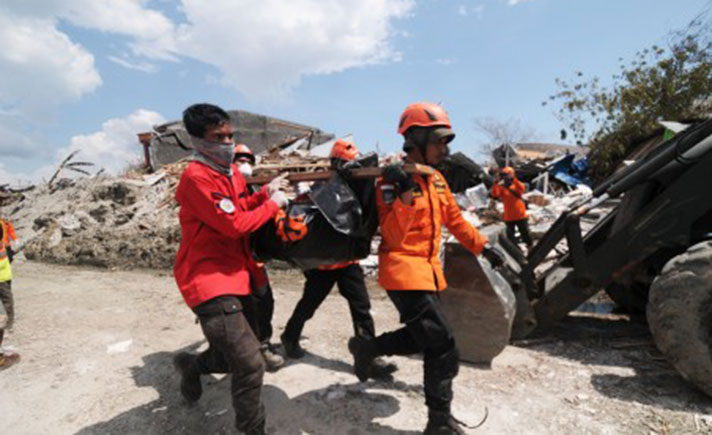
(97, 348)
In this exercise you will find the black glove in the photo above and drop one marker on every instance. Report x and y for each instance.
(396, 174)
(494, 256)
(344, 168)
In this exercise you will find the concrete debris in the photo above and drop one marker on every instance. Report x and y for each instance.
(120, 347)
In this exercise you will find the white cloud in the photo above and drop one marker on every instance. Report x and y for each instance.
(445, 61)
(115, 145)
(127, 63)
(266, 52)
(262, 48)
(40, 67)
(516, 2)
(476, 10)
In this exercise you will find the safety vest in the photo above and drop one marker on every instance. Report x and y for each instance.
(5, 270)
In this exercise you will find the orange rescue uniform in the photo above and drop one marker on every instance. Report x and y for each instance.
(408, 255)
(514, 208)
(8, 232)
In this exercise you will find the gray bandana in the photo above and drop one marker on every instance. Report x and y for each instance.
(217, 155)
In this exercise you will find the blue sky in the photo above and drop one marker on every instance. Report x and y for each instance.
(89, 74)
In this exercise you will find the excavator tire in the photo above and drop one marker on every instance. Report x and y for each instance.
(631, 298)
(680, 314)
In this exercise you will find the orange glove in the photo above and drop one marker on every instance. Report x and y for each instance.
(290, 229)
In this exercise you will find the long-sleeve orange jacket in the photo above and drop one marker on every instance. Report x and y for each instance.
(408, 254)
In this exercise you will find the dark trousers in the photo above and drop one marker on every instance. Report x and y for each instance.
(8, 305)
(523, 227)
(426, 331)
(259, 309)
(233, 349)
(318, 284)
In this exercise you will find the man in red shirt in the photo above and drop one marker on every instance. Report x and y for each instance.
(214, 261)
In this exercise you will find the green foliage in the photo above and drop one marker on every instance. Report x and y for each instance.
(672, 83)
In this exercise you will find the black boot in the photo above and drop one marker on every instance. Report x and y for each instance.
(442, 423)
(292, 347)
(190, 385)
(273, 360)
(257, 430)
(381, 369)
(364, 352)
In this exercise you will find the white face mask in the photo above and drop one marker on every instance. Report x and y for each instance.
(245, 169)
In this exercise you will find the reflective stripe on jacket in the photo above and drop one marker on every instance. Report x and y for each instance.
(408, 257)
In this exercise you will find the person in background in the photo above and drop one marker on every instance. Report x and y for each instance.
(508, 189)
(260, 304)
(349, 279)
(7, 306)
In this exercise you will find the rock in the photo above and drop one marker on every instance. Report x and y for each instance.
(70, 225)
(479, 305)
(41, 222)
(117, 192)
(99, 213)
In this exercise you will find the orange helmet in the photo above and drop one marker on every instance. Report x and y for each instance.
(508, 170)
(344, 150)
(423, 115)
(242, 150)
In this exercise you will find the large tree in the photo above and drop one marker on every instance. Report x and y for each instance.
(671, 81)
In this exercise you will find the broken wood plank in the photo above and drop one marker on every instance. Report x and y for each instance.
(288, 166)
(371, 172)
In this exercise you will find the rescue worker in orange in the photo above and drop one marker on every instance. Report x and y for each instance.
(508, 189)
(7, 307)
(349, 279)
(9, 237)
(411, 212)
(260, 307)
(214, 262)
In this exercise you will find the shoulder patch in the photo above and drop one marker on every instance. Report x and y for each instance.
(227, 206)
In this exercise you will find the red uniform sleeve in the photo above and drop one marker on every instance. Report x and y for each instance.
(463, 231)
(395, 218)
(11, 232)
(195, 193)
(257, 198)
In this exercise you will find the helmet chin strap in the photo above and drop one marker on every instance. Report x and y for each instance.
(416, 144)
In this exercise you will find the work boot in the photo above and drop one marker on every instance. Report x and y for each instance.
(381, 369)
(292, 348)
(8, 359)
(273, 360)
(190, 386)
(364, 353)
(257, 430)
(442, 423)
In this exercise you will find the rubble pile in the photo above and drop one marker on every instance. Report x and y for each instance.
(125, 222)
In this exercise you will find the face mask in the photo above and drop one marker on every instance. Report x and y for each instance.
(218, 153)
(245, 169)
